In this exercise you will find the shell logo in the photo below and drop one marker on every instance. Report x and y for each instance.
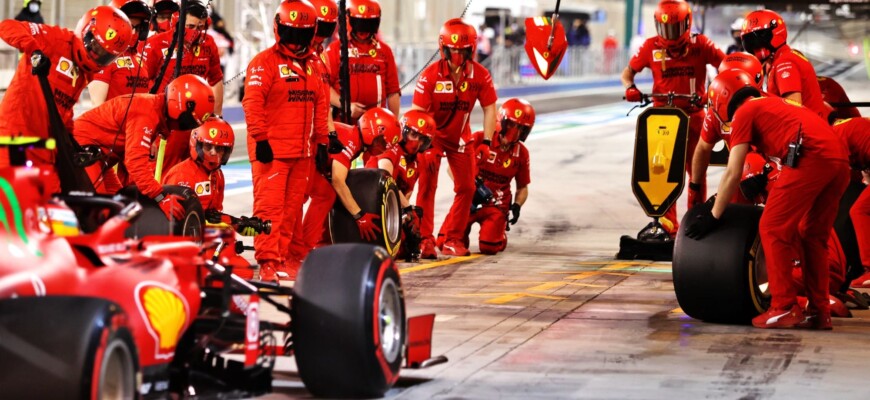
(324, 10)
(378, 121)
(64, 65)
(658, 55)
(361, 9)
(664, 18)
(164, 312)
(421, 122)
(454, 38)
(518, 113)
(373, 52)
(506, 163)
(212, 133)
(439, 86)
(293, 15)
(463, 86)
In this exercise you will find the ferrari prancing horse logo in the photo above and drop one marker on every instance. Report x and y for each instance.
(454, 38)
(463, 86)
(324, 10)
(664, 18)
(293, 15)
(361, 9)
(518, 113)
(421, 122)
(212, 133)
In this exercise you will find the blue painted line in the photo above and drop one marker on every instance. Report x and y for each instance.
(234, 114)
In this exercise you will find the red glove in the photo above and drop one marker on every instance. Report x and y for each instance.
(483, 150)
(632, 94)
(368, 228)
(171, 206)
(697, 193)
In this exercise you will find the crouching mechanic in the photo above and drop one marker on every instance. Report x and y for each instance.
(376, 129)
(506, 161)
(124, 127)
(798, 216)
(418, 129)
(856, 133)
(68, 60)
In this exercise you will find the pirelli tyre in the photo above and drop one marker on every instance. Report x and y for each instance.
(66, 348)
(375, 192)
(722, 277)
(153, 221)
(348, 321)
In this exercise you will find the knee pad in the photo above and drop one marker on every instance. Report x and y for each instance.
(491, 248)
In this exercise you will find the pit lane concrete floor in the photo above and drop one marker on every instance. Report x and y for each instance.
(555, 316)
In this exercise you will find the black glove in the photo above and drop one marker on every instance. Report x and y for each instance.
(41, 63)
(321, 160)
(704, 222)
(335, 145)
(264, 152)
(753, 186)
(515, 210)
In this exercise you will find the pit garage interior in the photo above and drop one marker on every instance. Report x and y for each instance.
(557, 315)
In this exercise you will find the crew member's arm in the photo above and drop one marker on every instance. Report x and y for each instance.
(794, 96)
(391, 81)
(387, 165)
(215, 75)
(730, 178)
(218, 89)
(98, 90)
(257, 87)
(339, 178)
(137, 151)
(393, 101)
(24, 36)
(522, 195)
(628, 77)
(700, 161)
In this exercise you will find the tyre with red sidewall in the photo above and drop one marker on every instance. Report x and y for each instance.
(348, 321)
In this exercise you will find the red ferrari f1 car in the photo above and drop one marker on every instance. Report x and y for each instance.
(86, 311)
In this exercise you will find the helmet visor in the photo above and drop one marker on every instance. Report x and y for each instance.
(325, 29)
(96, 52)
(513, 132)
(415, 142)
(295, 36)
(365, 25)
(672, 31)
(757, 40)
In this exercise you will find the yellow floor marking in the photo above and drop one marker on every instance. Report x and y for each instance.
(507, 298)
(626, 263)
(436, 264)
(558, 284)
(677, 310)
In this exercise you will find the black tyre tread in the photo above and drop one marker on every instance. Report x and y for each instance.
(368, 186)
(55, 339)
(332, 321)
(153, 221)
(711, 276)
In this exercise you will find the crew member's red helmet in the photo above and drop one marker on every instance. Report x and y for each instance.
(105, 34)
(745, 62)
(295, 25)
(189, 101)
(727, 91)
(379, 129)
(673, 20)
(211, 144)
(516, 118)
(763, 33)
(136, 9)
(327, 19)
(457, 35)
(418, 129)
(363, 18)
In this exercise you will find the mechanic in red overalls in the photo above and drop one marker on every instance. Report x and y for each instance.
(327, 20)
(448, 89)
(418, 129)
(508, 160)
(126, 75)
(285, 104)
(856, 132)
(712, 131)
(124, 128)
(374, 132)
(374, 80)
(798, 216)
(678, 61)
(790, 75)
(211, 146)
(832, 92)
(70, 60)
(200, 58)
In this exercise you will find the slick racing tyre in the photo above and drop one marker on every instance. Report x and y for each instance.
(348, 321)
(66, 348)
(722, 277)
(375, 192)
(152, 220)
